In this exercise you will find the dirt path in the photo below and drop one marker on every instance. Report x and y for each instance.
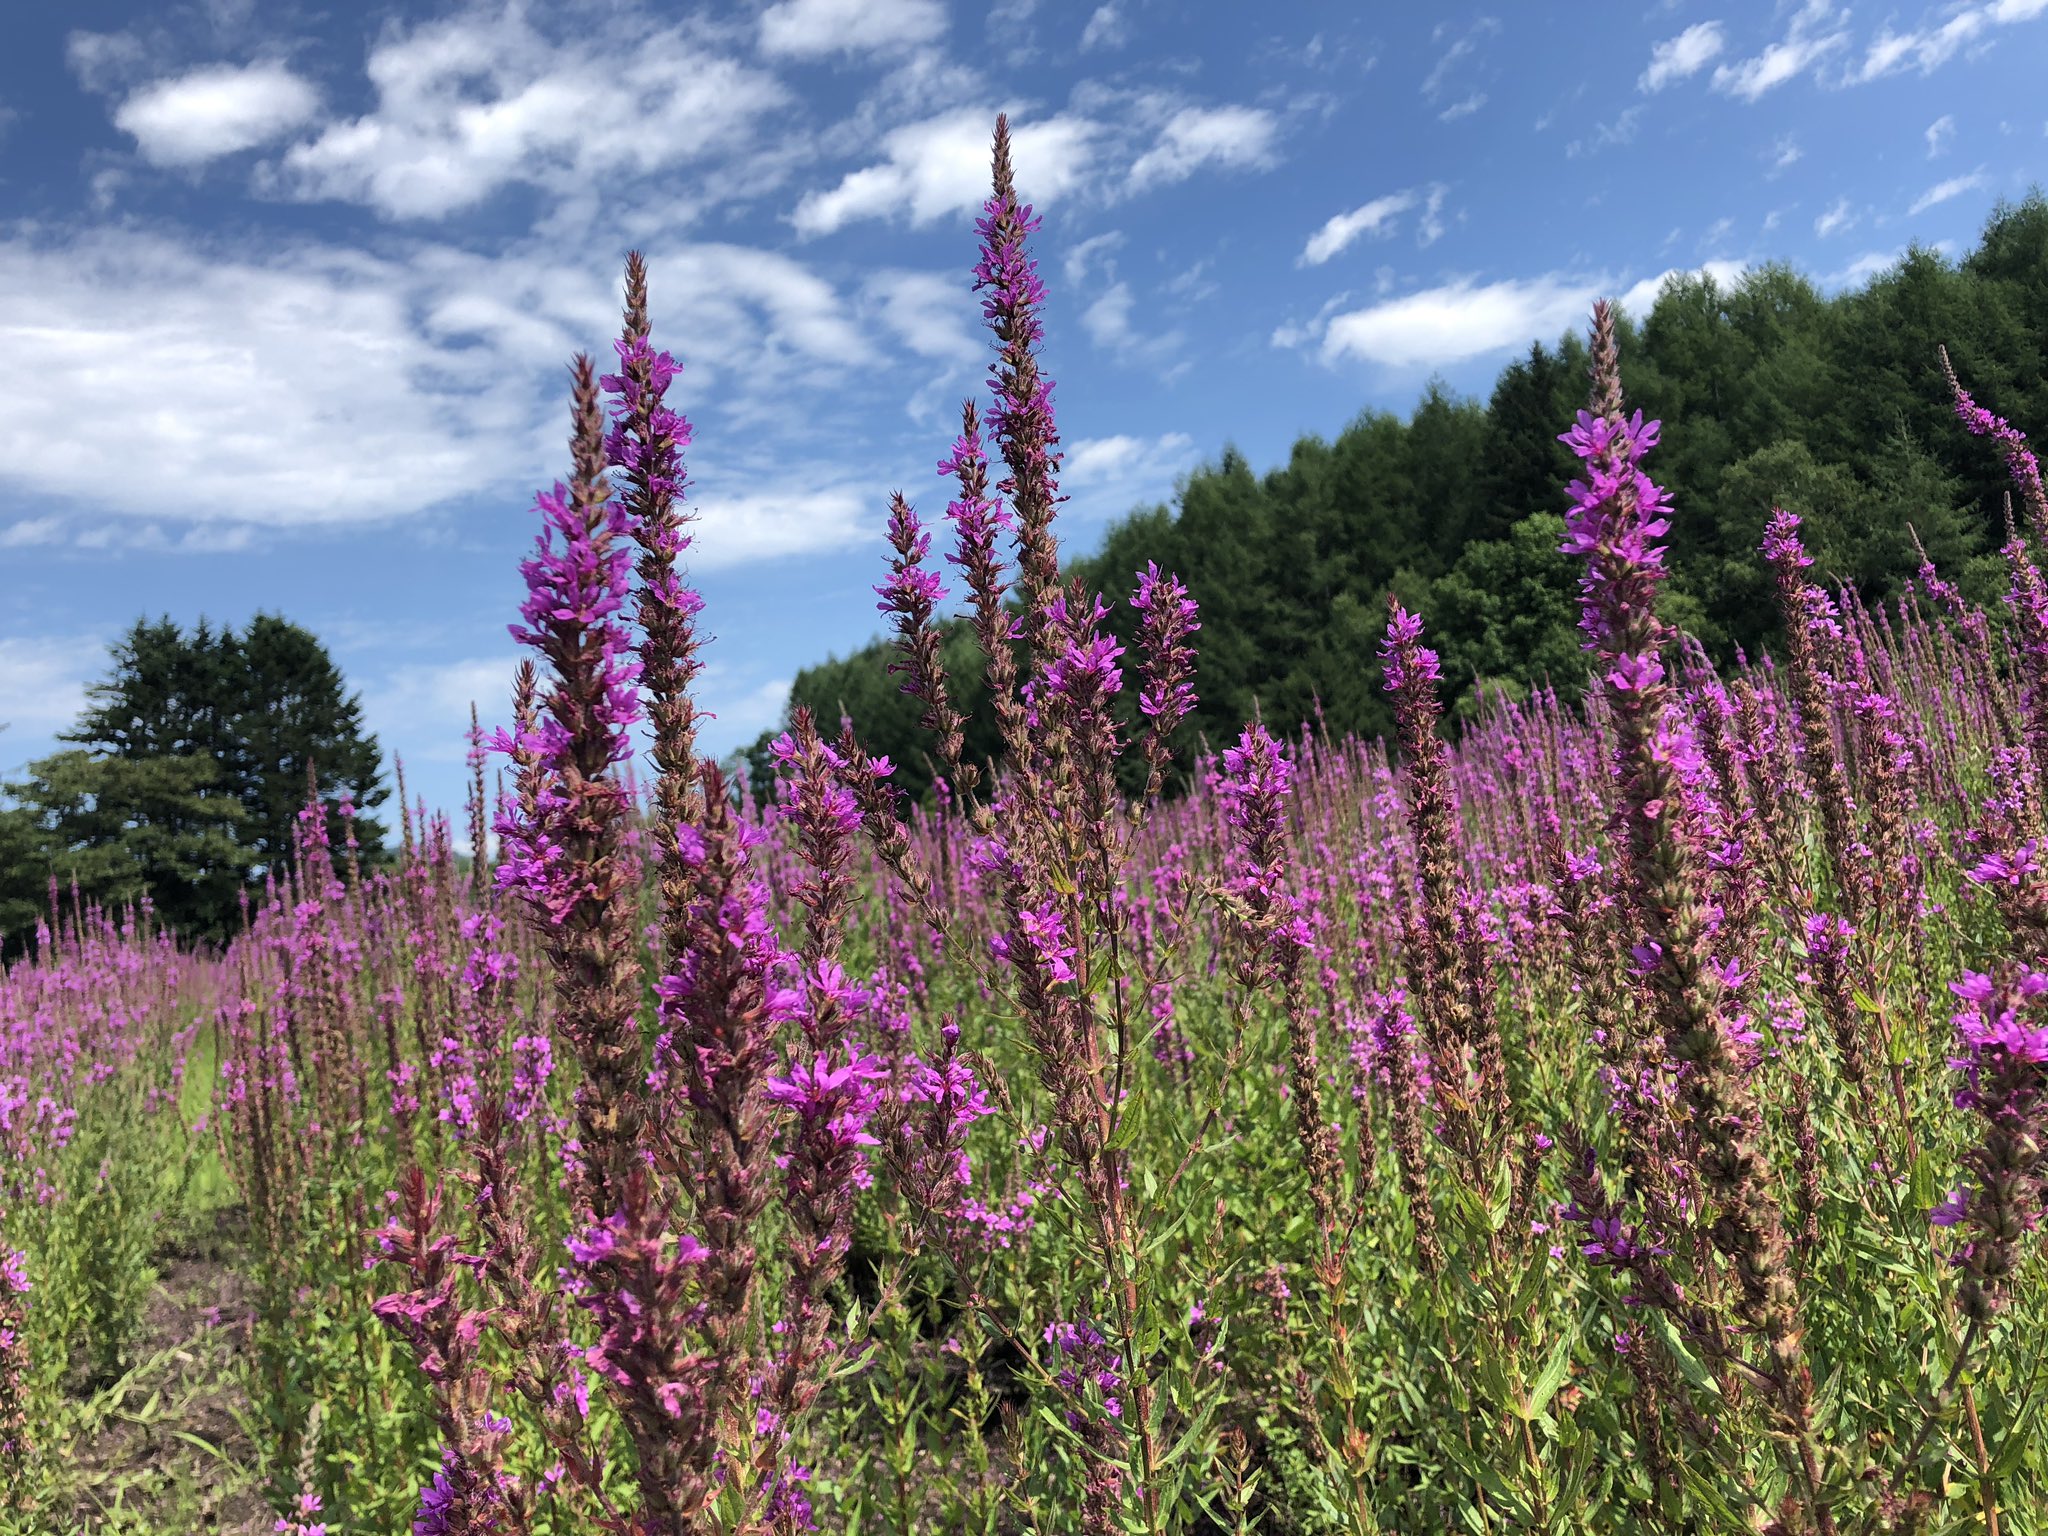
(164, 1453)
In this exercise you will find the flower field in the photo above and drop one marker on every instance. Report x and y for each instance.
(1625, 1115)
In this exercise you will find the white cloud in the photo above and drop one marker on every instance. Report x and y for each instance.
(1836, 219)
(319, 386)
(1786, 153)
(787, 519)
(1465, 319)
(1238, 138)
(37, 532)
(427, 704)
(1938, 134)
(1464, 107)
(481, 101)
(811, 29)
(1107, 476)
(1082, 258)
(1095, 460)
(292, 390)
(1290, 334)
(1680, 57)
(1815, 32)
(1107, 28)
(1344, 230)
(931, 313)
(1862, 269)
(1638, 297)
(106, 61)
(939, 167)
(220, 110)
(1928, 48)
(1108, 323)
(1942, 192)
(43, 680)
(1458, 320)
(101, 538)
(1108, 319)
(743, 711)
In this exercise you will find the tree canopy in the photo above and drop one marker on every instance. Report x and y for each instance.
(189, 767)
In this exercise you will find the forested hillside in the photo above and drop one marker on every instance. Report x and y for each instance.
(1772, 394)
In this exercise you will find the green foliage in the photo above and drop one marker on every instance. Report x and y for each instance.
(1771, 393)
(197, 752)
(121, 829)
(267, 705)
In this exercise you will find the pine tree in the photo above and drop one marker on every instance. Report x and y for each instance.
(260, 705)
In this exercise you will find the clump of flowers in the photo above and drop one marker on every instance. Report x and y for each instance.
(2002, 1054)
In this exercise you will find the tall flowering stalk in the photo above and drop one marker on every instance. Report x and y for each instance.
(909, 598)
(2012, 443)
(1466, 1064)
(2002, 1056)
(1272, 935)
(470, 1493)
(1167, 693)
(644, 444)
(2001, 1031)
(832, 1086)
(978, 519)
(1053, 837)
(564, 859)
(1616, 523)
(1810, 625)
(1012, 294)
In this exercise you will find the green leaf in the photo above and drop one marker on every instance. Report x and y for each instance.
(1689, 1365)
(1555, 1370)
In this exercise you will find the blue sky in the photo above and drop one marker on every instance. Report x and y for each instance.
(286, 292)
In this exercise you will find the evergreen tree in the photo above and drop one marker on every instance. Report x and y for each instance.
(265, 707)
(122, 828)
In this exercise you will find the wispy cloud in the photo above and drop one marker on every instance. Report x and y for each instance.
(1683, 56)
(1234, 137)
(1110, 325)
(1816, 31)
(1927, 48)
(1939, 133)
(323, 386)
(1945, 191)
(1107, 29)
(43, 679)
(1465, 319)
(1861, 270)
(813, 29)
(1611, 135)
(931, 313)
(1107, 476)
(938, 168)
(1451, 60)
(1344, 230)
